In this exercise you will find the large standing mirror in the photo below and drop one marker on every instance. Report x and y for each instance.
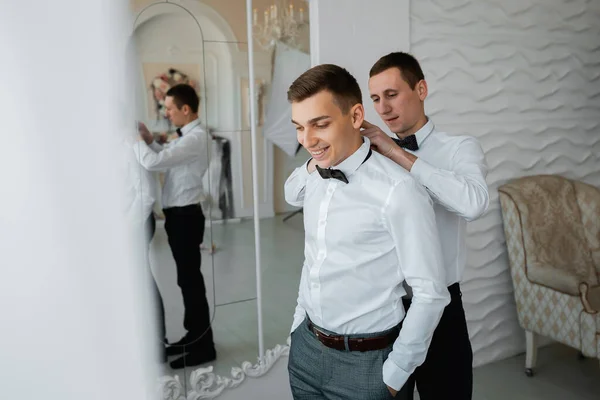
(173, 105)
(252, 245)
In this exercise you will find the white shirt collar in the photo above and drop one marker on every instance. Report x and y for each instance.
(191, 125)
(351, 164)
(422, 133)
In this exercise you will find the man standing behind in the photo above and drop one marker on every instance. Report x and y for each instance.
(369, 226)
(453, 169)
(184, 162)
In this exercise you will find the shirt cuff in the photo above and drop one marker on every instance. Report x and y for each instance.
(394, 376)
(155, 146)
(422, 171)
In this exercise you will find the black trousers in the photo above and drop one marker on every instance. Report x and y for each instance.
(447, 372)
(185, 230)
(150, 228)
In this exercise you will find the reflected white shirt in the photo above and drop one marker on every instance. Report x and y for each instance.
(453, 169)
(184, 161)
(140, 189)
(362, 241)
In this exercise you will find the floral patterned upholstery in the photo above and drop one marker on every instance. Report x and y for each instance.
(589, 203)
(552, 231)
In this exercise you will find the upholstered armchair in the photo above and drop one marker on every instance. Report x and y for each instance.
(552, 230)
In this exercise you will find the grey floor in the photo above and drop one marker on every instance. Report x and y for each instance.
(230, 279)
(560, 375)
(231, 288)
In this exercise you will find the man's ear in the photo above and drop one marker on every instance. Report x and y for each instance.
(422, 89)
(186, 109)
(358, 115)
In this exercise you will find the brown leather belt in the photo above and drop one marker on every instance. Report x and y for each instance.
(354, 344)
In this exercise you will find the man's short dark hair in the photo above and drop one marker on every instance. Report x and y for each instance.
(184, 94)
(327, 77)
(407, 64)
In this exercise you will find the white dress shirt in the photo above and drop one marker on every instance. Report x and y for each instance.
(140, 187)
(184, 161)
(362, 240)
(453, 169)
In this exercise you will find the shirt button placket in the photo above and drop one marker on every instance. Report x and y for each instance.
(315, 285)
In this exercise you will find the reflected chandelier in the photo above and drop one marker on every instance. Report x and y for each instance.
(281, 22)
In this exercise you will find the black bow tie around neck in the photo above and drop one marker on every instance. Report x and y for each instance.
(336, 173)
(409, 142)
(332, 173)
(179, 132)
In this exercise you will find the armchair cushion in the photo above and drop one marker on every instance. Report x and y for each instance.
(588, 198)
(557, 253)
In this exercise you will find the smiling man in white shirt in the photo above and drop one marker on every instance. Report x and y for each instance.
(453, 169)
(184, 162)
(369, 226)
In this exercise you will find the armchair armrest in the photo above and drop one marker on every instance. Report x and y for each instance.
(590, 297)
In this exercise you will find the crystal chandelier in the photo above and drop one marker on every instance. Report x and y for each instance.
(281, 23)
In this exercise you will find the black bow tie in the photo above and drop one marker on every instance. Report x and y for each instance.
(336, 173)
(332, 173)
(409, 142)
(179, 132)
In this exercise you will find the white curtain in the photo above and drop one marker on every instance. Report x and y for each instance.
(289, 64)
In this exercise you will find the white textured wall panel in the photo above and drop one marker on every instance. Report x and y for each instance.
(523, 77)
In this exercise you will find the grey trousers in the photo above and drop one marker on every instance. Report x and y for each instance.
(319, 372)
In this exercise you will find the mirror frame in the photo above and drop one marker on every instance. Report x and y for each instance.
(204, 383)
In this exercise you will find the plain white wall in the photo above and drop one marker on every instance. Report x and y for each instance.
(354, 34)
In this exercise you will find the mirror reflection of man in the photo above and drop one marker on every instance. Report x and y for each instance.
(140, 187)
(184, 162)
